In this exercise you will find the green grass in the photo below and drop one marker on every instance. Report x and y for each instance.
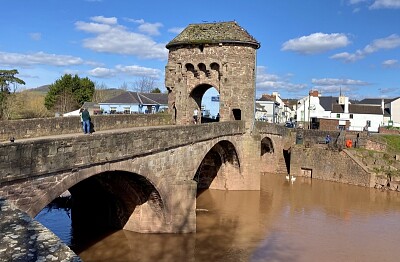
(393, 142)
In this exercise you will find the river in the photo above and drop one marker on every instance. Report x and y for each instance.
(307, 220)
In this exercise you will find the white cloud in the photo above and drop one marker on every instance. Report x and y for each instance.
(390, 63)
(105, 20)
(354, 2)
(316, 43)
(102, 72)
(39, 58)
(338, 82)
(150, 29)
(379, 4)
(269, 82)
(35, 36)
(390, 42)
(336, 85)
(117, 39)
(176, 30)
(133, 70)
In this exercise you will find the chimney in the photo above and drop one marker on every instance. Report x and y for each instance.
(346, 105)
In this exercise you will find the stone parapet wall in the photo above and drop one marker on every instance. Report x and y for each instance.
(26, 159)
(37, 127)
(325, 164)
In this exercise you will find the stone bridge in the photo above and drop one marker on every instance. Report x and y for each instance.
(143, 179)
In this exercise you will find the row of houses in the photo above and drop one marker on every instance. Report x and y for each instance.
(312, 111)
(327, 112)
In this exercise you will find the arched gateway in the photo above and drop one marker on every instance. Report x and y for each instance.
(220, 55)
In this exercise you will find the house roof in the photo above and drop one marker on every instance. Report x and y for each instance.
(139, 98)
(213, 33)
(374, 101)
(327, 102)
(265, 97)
(260, 108)
(358, 109)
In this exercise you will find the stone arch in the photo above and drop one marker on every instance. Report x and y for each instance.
(219, 167)
(197, 95)
(267, 146)
(116, 200)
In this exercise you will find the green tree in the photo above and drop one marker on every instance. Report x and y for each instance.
(69, 93)
(8, 86)
(156, 90)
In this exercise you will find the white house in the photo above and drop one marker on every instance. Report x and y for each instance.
(361, 116)
(274, 109)
(312, 107)
(134, 102)
(391, 109)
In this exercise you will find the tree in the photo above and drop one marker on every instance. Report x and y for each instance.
(156, 90)
(69, 93)
(144, 85)
(8, 86)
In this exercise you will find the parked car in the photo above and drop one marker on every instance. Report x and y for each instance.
(289, 124)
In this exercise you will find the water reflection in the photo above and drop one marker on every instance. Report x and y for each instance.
(309, 220)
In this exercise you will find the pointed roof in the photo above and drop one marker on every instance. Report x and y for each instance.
(214, 33)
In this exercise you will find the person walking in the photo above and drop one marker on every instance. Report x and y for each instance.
(86, 121)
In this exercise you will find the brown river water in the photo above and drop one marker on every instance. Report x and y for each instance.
(307, 220)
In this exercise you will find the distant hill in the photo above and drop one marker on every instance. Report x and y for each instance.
(41, 89)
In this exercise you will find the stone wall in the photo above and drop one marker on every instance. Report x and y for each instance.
(325, 164)
(37, 127)
(24, 239)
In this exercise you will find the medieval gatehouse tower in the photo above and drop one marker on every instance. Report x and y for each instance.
(220, 55)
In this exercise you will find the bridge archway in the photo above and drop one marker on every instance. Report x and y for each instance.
(115, 200)
(267, 147)
(219, 168)
(197, 96)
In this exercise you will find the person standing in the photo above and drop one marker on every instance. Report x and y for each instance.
(86, 121)
(80, 115)
(195, 115)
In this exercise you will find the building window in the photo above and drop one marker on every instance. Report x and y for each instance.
(127, 110)
(368, 123)
(337, 115)
(113, 110)
(351, 116)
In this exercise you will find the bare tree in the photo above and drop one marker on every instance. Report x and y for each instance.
(144, 85)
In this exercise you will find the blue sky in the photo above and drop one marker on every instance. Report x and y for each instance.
(328, 45)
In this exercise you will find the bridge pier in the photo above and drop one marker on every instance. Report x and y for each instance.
(178, 216)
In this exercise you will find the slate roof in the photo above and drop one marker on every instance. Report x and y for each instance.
(358, 109)
(213, 33)
(139, 98)
(327, 102)
(373, 101)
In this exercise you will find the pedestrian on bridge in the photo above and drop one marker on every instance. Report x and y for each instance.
(86, 121)
(195, 116)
